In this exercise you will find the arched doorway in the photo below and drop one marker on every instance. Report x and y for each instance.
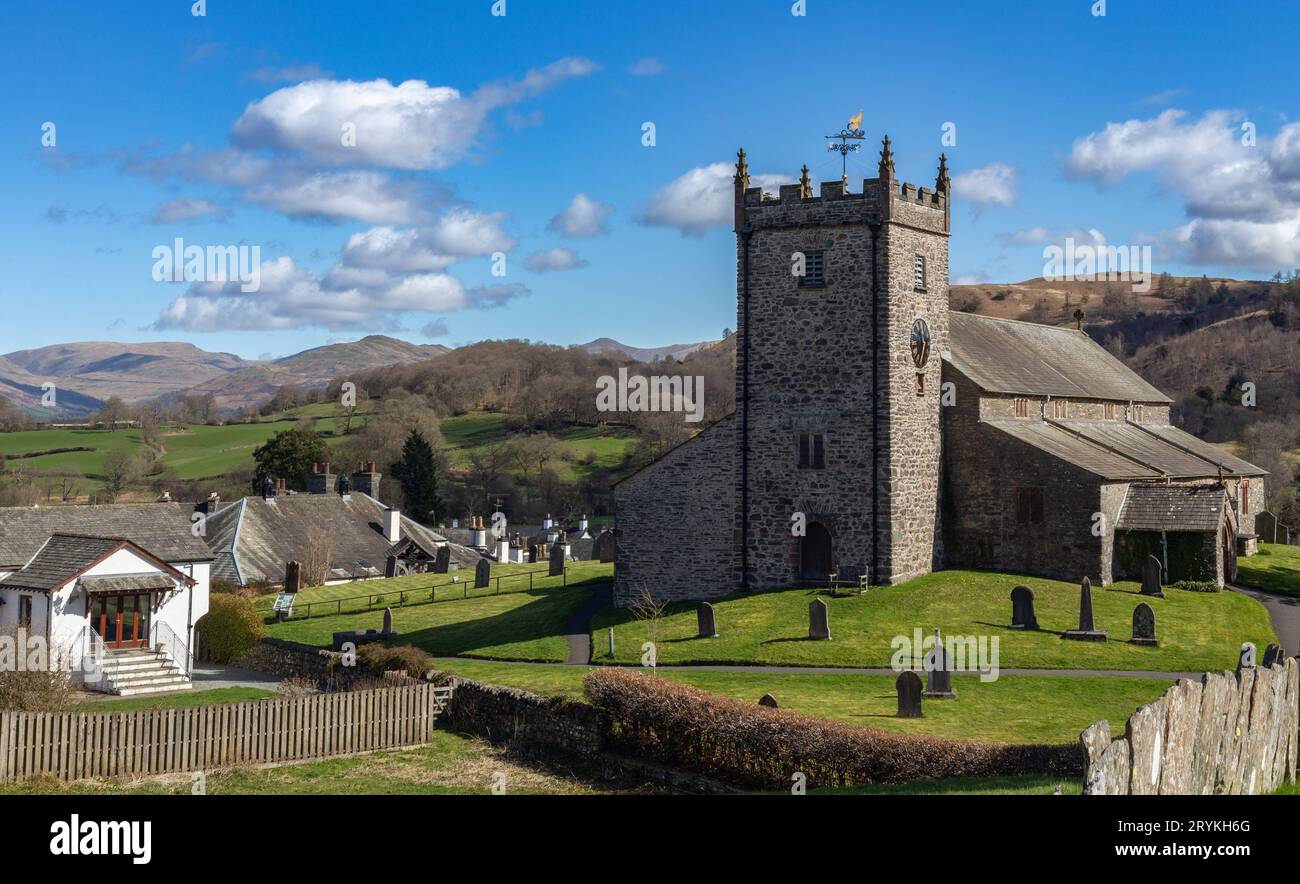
(815, 553)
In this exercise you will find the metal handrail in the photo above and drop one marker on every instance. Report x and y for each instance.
(170, 642)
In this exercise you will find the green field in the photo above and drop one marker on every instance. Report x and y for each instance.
(1013, 709)
(586, 449)
(1275, 568)
(175, 700)
(1197, 631)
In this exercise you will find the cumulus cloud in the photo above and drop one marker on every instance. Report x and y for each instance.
(995, 183)
(554, 259)
(181, 210)
(701, 198)
(360, 195)
(410, 125)
(583, 217)
(1242, 199)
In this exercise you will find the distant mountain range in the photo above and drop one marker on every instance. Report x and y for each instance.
(87, 373)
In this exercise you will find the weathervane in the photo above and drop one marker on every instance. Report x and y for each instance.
(849, 139)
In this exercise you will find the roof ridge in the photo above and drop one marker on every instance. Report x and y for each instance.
(1064, 328)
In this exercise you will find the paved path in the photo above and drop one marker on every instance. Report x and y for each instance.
(1284, 611)
(578, 628)
(211, 676)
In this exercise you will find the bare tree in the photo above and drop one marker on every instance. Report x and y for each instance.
(649, 610)
(317, 557)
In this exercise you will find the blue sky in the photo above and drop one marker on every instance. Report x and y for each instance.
(522, 134)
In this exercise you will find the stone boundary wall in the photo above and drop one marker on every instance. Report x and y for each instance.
(1228, 734)
(528, 722)
(287, 659)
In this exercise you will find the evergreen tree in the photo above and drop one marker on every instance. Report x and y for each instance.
(289, 455)
(417, 473)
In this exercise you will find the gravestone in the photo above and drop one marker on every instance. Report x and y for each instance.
(1022, 608)
(442, 560)
(1144, 625)
(938, 672)
(1246, 659)
(707, 621)
(603, 548)
(819, 624)
(1151, 577)
(1086, 632)
(388, 621)
(908, 686)
(557, 560)
(1266, 527)
(482, 573)
(532, 554)
(1273, 654)
(292, 576)
(769, 701)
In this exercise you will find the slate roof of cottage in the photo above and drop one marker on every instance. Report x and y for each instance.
(1008, 356)
(252, 538)
(1160, 507)
(127, 582)
(161, 528)
(65, 556)
(1125, 451)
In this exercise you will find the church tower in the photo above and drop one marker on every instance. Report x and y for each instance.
(842, 314)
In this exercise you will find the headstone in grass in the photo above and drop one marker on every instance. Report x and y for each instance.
(1087, 631)
(388, 621)
(769, 701)
(938, 671)
(908, 686)
(819, 621)
(603, 548)
(557, 560)
(482, 573)
(707, 621)
(1246, 659)
(292, 576)
(1266, 527)
(1273, 654)
(442, 559)
(1022, 608)
(1144, 625)
(1151, 577)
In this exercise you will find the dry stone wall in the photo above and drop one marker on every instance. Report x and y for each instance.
(1228, 734)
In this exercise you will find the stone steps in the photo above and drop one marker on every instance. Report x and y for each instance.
(142, 671)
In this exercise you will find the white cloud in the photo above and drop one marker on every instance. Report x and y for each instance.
(180, 210)
(646, 67)
(583, 217)
(554, 259)
(411, 125)
(366, 196)
(1243, 201)
(1028, 237)
(436, 329)
(994, 183)
(701, 198)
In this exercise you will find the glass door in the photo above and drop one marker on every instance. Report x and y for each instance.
(122, 620)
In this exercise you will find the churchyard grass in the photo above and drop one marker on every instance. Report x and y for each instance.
(510, 626)
(1276, 568)
(1013, 709)
(173, 701)
(364, 595)
(451, 764)
(1031, 784)
(1196, 631)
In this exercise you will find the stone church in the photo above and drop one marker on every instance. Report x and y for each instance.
(905, 438)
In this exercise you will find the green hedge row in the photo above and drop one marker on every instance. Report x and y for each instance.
(755, 746)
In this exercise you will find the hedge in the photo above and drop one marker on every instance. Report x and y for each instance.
(756, 746)
(230, 628)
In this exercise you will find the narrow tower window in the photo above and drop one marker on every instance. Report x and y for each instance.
(812, 451)
(814, 272)
(919, 271)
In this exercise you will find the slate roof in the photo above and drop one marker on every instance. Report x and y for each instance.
(60, 559)
(1124, 451)
(252, 538)
(161, 528)
(1160, 507)
(127, 582)
(1008, 356)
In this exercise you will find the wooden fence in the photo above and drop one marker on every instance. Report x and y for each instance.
(78, 745)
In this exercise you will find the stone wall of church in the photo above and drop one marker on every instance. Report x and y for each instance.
(983, 469)
(675, 524)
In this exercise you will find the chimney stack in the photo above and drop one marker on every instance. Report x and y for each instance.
(212, 503)
(392, 525)
(321, 480)
(366, 479)
(503, 549)
(477, 533)
(582, 526)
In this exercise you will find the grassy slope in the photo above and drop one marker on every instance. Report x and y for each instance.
(1197, 631)
(1013, 709)
(1275, 568)
(468, 433)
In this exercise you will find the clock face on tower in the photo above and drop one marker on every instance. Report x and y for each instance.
(920, 343)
